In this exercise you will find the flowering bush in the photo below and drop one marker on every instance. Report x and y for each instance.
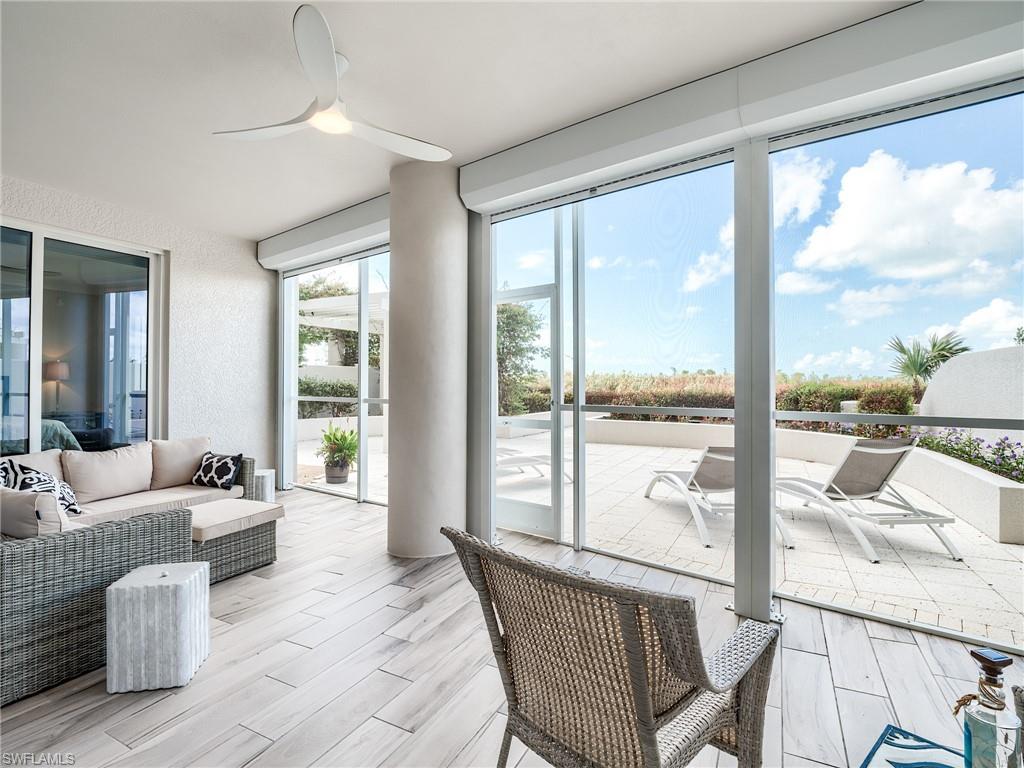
(1003, 457)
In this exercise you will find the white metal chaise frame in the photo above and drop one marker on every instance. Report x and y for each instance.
(510, 458)
(698, 498)
(830, 496)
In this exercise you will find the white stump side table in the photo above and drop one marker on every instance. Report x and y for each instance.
(264, 482)
(158, 626)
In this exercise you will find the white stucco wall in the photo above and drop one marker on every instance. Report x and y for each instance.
(221, 322)
(988, 384)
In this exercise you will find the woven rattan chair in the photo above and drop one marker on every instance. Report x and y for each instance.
(602, 674)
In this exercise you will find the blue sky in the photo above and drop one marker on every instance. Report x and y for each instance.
(909, 229)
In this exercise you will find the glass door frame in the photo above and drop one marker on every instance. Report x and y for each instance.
(289, 398)
(549, 292)
(156, 373)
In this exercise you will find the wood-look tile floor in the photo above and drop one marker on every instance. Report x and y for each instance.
(340, 655)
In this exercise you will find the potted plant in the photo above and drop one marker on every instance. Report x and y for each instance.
(339, 449)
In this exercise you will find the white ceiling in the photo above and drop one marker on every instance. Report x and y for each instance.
(117, 100)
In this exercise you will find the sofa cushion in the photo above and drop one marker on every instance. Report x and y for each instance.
(176, 461)
(28, 513)
(220, 518)
(45, 461)
(104, 474)
(178, 497)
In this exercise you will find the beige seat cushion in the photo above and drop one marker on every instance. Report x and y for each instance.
(178, 497)
(219, 518)
(175, 461)
(26, 514)
(45, 461)
(106, 474)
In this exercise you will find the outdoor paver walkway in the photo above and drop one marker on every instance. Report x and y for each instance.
(916, 579)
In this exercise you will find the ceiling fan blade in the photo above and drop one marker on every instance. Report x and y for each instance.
(315, 46)
(273, 131)
(399, 144)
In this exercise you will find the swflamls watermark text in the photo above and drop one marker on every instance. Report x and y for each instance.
(30, 759)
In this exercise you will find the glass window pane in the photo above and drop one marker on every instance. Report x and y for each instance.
(95, 347)
(328, 381)
(15, 281)
(899, 291)
(524, 251)
(378, 359)
(659, 333)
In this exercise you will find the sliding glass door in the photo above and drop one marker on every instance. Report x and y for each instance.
(795, 366)
(336, 375)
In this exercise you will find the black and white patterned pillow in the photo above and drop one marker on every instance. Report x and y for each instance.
(5, 474)
(21, 478)
(217, 470)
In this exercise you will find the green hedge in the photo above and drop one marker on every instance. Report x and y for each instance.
(717, 391)
(312, 386)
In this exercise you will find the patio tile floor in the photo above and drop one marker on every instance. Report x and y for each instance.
(916, 579)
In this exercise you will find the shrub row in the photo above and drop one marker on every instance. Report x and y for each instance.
(312, 386)
(716, 391)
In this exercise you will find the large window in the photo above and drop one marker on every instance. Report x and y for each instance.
(340, 378)
(95, 346)
(898, 291)
(883, 463)
(75, 347)
(15, 289)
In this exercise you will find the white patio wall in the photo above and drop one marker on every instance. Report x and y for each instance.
(988, 384)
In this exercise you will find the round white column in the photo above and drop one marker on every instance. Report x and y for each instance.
(428, 356)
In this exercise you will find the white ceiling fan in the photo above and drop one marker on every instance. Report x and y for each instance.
(328, 113)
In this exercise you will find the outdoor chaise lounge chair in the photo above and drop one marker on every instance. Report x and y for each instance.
(510, 458)
(603, 675)
(715, 473)
(865, 474)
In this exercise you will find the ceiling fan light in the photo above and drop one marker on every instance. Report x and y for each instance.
(331, 121)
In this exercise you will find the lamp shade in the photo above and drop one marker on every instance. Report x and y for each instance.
(56, 370)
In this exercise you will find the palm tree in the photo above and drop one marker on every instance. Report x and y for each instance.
(919, 363)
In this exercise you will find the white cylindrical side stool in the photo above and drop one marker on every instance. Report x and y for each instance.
(264, 479)
(158, 626)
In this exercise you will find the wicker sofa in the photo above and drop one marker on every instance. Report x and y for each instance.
(52, 594)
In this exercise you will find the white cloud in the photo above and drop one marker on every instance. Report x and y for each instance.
(727, 234)
(794, 283)
(856, 306)
(853, 360)
(610, 228)
(693, 310)
(711, 267)
(798, 182)
(533, 259)
(990, 326)
(649, 263)
(979, 277)
(600, 262)
(593, 344)
(924, 223)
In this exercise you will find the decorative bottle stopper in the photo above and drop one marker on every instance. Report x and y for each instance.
(991, 730)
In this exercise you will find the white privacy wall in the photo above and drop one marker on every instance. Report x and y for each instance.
(222, 328)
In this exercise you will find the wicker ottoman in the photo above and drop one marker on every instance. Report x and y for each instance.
(235, 535)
